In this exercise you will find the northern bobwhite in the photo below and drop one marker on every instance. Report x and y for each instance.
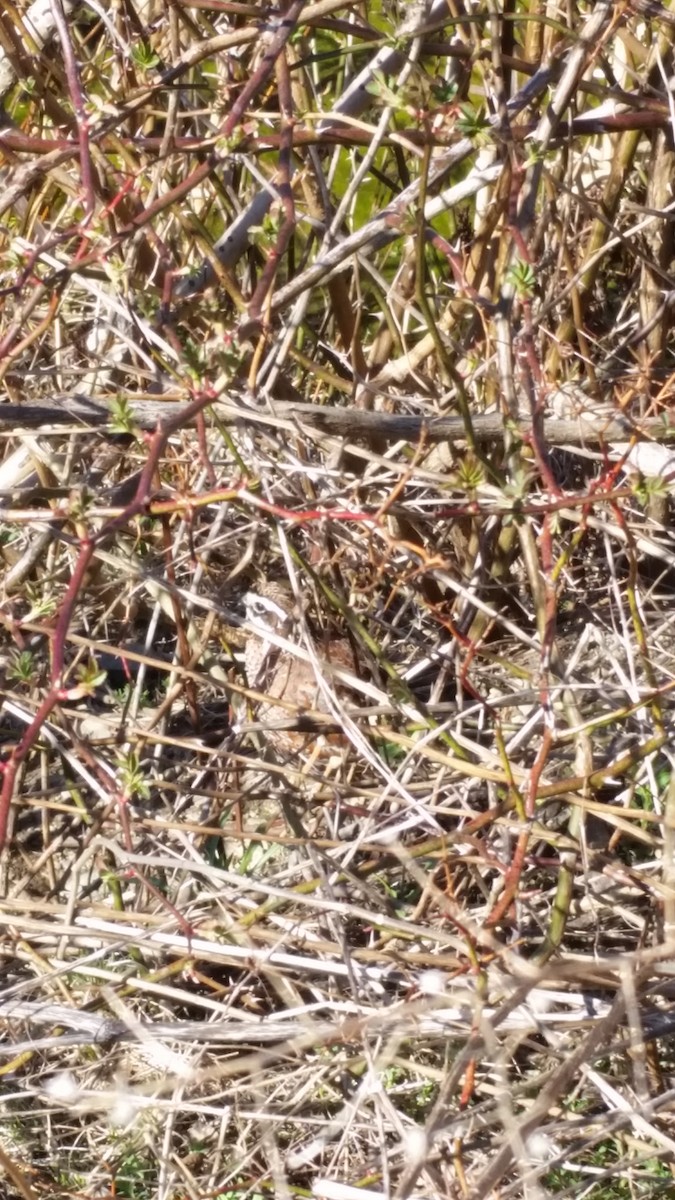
(282, 675)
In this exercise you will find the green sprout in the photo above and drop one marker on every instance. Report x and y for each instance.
(443, 91)
(144, 56)
(226, 145)
(522, 276)
(89, 678)
(474, 124)
(40, 606)
(380, 88)
(22, 667)
(122, 417)
(268, 230)
(131, 776)
(81, 501)
(470, 473)
(649, 487)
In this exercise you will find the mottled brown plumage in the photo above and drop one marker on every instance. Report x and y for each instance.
(281, 675)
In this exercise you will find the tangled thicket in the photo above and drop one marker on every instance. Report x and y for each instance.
(373, 299)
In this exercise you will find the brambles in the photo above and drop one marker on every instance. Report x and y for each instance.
(372, 301)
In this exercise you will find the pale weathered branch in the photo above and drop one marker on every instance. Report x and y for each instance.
(347, 422)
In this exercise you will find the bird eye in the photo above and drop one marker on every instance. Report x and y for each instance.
(264, 611)
(255, 608)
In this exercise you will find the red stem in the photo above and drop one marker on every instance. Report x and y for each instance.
(76, 95)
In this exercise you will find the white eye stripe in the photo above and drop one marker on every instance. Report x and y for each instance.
(262, 610)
